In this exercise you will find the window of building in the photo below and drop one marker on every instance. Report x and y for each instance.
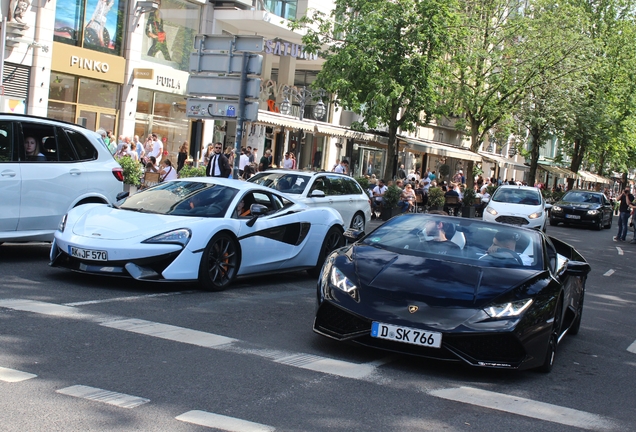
(282, 8)
(93, 24)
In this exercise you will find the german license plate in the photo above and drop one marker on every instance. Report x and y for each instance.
(567, 216)
(406, 335)
(88, 254)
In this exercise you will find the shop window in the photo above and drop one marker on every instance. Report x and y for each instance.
(63, 87)
(282, 8)
(169, 33)
(94, 24)
(144, 101)
(61, 111)
(98, 93)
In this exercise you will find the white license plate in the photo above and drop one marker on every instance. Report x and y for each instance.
(88, 254)
(406, 335)
(572, 217)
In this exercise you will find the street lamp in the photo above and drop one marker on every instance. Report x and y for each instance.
(302, 96)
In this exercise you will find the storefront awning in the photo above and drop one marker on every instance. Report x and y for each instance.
(591, 177)
(558, 171)
(503, 162)
(341, 131)
(276, 119)
(440, 149)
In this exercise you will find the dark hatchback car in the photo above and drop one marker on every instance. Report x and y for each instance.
(585, 208)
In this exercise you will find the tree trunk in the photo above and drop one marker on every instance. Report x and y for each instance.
(534, 156)
(474, 147)
(577, 158)
(391, 153)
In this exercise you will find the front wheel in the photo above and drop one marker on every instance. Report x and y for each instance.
(550, 354)
(553, 222)
(609, 224)
(220, 262)
(358, 222)
(333, 240)
(599, 224)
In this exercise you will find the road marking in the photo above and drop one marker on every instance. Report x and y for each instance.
(222, 422)
(525, 407)
(609, 272)
(109, 397)
(12, 375)
(199, 338)
(632, 348)
(169, 332)
(130, 298)
(620, 251)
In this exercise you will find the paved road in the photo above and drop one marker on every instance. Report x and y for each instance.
(99, 354)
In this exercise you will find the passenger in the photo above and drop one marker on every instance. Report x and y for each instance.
(241, 211)
(437, 235)
(32, 150)
(504, 244)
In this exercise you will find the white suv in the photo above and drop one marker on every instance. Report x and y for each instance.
(517, 205)
(48, 167)
(324, 189)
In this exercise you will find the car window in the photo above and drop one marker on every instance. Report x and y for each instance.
(6, 148)
(338, 185)
(38, 143)
(352, 186)
(517, 196)
(320, 183)
(552, 255)
(82, 146)
(582, 197)
(291, 183)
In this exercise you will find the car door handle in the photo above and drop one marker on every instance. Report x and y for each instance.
(7, 173)
(75, 172)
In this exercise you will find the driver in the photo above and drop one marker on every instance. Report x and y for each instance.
(508, 241)
(241, 211)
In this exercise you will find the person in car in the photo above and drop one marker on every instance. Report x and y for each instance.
(32, 150)
(437, 235)
(508, 240)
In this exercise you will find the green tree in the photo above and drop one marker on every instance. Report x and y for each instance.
(382, 60)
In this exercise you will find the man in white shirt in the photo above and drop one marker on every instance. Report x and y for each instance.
(244, 160)
(378, 193)
(157, 148)
(139, 148)
(343, 167)
(288, 162)
(426, 184)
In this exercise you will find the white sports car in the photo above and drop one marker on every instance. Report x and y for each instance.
(209, 230)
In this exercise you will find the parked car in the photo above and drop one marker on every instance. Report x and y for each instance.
(517, 205)
(486, 294)
(584, 208)
(47, 167)
(319, 189)
(206, 230)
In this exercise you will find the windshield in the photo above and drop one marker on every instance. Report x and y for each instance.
(517, 196)
(291, 183)
(463, 240)
(582, 197)
(183, 198)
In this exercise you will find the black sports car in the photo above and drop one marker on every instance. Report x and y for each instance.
(452, 288)
(581, 207)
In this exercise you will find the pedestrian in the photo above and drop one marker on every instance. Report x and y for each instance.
(218, 165)
(342, 168)
(625, 200)
(266, 160)
(182, 156)
(288, 162)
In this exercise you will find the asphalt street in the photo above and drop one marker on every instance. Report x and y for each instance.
(82, 353)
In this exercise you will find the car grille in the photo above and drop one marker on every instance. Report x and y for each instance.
(339, 323)
(512, 220)
(499, 348)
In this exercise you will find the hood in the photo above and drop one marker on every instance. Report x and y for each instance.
(446, 293)
(109, 223)
(514, 209)
(578, 205)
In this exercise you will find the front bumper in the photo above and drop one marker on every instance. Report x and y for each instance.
(584, 218)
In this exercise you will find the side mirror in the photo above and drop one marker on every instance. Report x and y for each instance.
(257, 210)
(317, 194)
(121, 195)
(352, 235)
(578, 268)
(548, 206)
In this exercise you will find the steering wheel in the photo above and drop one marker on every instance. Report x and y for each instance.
(503, 253)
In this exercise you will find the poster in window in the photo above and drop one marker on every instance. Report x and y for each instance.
(103, 25)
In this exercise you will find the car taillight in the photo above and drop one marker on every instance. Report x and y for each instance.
(119, 174)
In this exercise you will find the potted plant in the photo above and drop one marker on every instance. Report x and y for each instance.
(191, 171)
(363, 182)
(133, 171)
(468, 203)
(436, 198)
(389, 202)
(444, 170)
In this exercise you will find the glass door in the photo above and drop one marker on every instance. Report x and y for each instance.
(97, 117)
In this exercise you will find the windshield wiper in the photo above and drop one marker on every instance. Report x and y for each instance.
(139, 210)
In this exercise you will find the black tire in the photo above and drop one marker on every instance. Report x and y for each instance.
(333, 240)
(576, 325)
(551, 350)
(220, 262)
(553, 222)
(358, 222)
(599, 225)
(609, 225)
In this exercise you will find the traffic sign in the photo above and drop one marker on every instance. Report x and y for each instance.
(226, 86)
(224, 63)
(220, 110)
(242, 43)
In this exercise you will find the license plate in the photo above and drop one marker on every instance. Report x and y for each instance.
(406, 335)
(88, 254)
(572, 217)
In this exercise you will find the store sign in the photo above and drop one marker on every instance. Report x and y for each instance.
(285, 49)
(92, 65)
(143, 73)
(167, 82)
(84, 62)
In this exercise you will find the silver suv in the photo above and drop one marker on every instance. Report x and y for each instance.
(48, 167)
(322, 189)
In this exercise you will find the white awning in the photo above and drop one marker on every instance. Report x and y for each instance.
(341, 131)
(591, 177)
(272, 118)
(503, 162)
(558, 171)
(440, 149)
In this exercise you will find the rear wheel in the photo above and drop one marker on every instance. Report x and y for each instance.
(358, 222)
(220, 262)
(333, 240)
(550, 354)
(576, 325)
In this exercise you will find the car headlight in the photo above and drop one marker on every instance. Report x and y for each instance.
(492, 211)
(556, 209)
(180, 236)
(535, 215)
(340, 281)
(62, 223)
(511, 309)
(592, 212)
